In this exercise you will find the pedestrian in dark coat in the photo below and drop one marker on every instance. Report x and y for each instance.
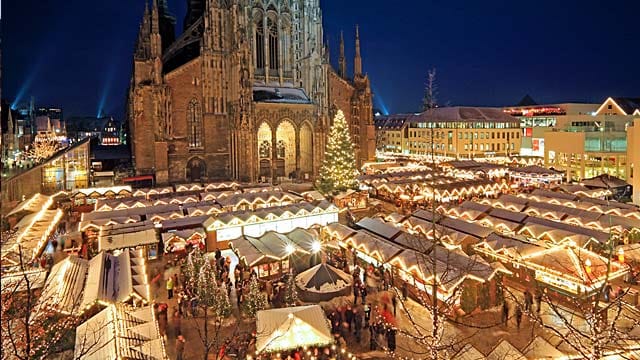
(518, 316)
(363, 293)
(357, 324)
(505, 312)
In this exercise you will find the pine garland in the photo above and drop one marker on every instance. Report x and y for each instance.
(338, 172)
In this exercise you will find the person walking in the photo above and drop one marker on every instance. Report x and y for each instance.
(180, 341)
(170, 288)
(394, 302)
(356, 292)
(528, 300)
(538, 300)
(177, 322)
(367, 314)
(518, 316)
(391, 339)
(505, 312)
(404, 291)
(357, 324)
(363, 293)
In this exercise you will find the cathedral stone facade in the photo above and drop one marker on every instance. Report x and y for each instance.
(246, 92)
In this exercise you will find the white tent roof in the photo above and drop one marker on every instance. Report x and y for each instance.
(120, 332)
(288, 328)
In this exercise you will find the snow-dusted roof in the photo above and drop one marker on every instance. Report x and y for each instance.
(120, 332)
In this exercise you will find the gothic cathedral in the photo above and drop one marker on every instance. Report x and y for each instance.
(246, 92)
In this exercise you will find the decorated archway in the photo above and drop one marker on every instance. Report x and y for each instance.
(306, 148)
(264, 145)
(285, 148)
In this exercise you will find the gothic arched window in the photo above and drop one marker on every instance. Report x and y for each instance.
(259, 41)
(194, 124)
(273, 44)
(280, 149)
(265, 149)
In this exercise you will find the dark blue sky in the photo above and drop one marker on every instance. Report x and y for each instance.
(77, 53)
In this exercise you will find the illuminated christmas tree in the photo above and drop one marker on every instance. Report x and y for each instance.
(255, 300)
(338, 171)
(291, 292)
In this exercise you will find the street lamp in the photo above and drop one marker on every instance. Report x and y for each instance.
(316, 247)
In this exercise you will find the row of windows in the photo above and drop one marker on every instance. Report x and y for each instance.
(467, 147)
(466, 125)
(467, 135)
(485, 147)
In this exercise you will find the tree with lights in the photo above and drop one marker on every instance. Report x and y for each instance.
(44, 146)
(212, 299)
(291, 293)
(338, 172)
(595, 325)
(255, 300)
(31, 328)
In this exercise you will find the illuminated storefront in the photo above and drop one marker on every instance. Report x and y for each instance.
(68, 170)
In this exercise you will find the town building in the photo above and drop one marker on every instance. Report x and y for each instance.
(633, 158)
(536, 119)
(66, 170)
(455, 132)
(245, 92)
(389, 132)
(589, 145)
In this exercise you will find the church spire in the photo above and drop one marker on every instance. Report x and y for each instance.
(341, 62)
(155, 18)
(357, 62)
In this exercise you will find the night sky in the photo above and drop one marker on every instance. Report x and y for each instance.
(77, 53)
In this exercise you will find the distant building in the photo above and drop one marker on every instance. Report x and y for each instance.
(633, 158)
(389, 132)
(536, 119)
(110, 134)
(458, 132)
(55, 119)
(588, 145)
(82, 127)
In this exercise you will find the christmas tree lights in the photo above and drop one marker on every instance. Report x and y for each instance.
(338, 172)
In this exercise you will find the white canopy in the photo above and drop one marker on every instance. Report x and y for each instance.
(120, 332)
(289, 328)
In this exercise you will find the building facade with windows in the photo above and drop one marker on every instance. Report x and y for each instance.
(245, 92)
(457, 132)
(586, 146)
(536, 119)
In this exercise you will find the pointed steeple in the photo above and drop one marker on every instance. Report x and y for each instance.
(155, 18)
(342, 64)
(327, 52)
(357, 62)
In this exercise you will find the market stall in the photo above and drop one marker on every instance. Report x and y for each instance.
(291, 328)
(322, 283)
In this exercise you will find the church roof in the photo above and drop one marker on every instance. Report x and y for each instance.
(280, 95)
